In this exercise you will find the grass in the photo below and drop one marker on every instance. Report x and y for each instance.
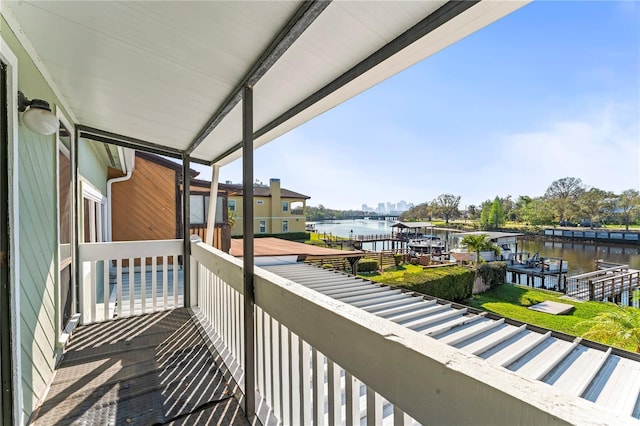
(512, 301)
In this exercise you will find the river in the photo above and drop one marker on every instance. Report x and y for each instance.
(581, 257)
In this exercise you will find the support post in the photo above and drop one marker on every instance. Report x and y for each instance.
(247, 247)
(76, 204)
(186, 212)
(213, 202)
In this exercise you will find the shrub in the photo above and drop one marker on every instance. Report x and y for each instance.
(397, 258)
(368, 265)
(452, 283)
(493, 274)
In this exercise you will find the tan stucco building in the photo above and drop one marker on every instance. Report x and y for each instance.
(276, 210)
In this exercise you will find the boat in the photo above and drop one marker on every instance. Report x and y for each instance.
(507, 242)
(427, 244)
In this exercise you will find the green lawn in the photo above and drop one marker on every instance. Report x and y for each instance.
(512, 301)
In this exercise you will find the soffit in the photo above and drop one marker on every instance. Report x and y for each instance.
(157, 71)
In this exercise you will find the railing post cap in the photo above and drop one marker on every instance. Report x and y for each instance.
(195, 239)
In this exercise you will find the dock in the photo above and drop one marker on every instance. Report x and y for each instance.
(537, 272)
(609, 283)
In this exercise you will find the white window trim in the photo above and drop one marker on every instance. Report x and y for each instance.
(61, 331)
(7, 56)
(229, 202)
(94, 195)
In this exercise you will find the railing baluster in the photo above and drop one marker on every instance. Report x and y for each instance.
(93, 300)
(165, 283)
(374, 407)
(400, 418)
(259, 351)
(268, 356)
(154, 283)
(105, 284)
(304, 372)
(143, 284)
(317, 362)
(119, 288)
(294, 378)
(285, 377)
(352, 396)
(277, 371)
(132, 284)
(334, 393)
(174, 269)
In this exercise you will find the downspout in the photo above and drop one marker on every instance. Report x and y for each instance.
(128, 169)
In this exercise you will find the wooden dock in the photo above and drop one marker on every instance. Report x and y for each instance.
(546, 273)
(609, 283)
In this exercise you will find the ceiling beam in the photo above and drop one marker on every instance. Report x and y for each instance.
(104, 136)
(298, 24)
(441, 16)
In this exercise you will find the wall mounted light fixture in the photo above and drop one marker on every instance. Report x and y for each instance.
(38, 117)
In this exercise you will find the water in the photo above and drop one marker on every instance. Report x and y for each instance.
(581, 257)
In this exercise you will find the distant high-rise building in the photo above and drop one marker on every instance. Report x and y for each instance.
(380, 208)
(402, 205)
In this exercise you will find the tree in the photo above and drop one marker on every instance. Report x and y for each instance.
(484, 214)
(447, 206)
(594, 203)
(629, 205)
(537, 211)
(478, 243)
(496, 213)
(620, 327)
(562, 194)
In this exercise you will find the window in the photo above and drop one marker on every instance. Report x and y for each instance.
(197, 207)
(262, 228)
(259, 202)
(232, 205)
(93, 203)
(285, 206)
(285, 226)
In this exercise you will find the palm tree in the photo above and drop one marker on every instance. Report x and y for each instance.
(479, 243)
(620, 327)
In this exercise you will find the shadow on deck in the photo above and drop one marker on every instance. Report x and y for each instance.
(146, 370)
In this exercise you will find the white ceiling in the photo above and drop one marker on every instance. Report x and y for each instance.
(157, 71)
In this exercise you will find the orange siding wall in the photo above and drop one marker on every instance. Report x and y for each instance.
(144, 207)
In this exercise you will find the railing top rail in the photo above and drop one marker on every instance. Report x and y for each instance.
(616, 277)
(400, 363)
(599, 272)
(128, 249)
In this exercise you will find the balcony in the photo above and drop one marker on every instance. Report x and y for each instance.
(328, 349)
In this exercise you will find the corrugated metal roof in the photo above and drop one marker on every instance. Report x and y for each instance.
(608, 377)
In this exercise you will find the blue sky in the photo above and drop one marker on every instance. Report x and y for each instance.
(552, 90)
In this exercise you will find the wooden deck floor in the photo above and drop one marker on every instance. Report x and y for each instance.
(148, 370)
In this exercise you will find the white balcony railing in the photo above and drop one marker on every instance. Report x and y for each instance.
(320, 361)
(317, 360)
(122, 279)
